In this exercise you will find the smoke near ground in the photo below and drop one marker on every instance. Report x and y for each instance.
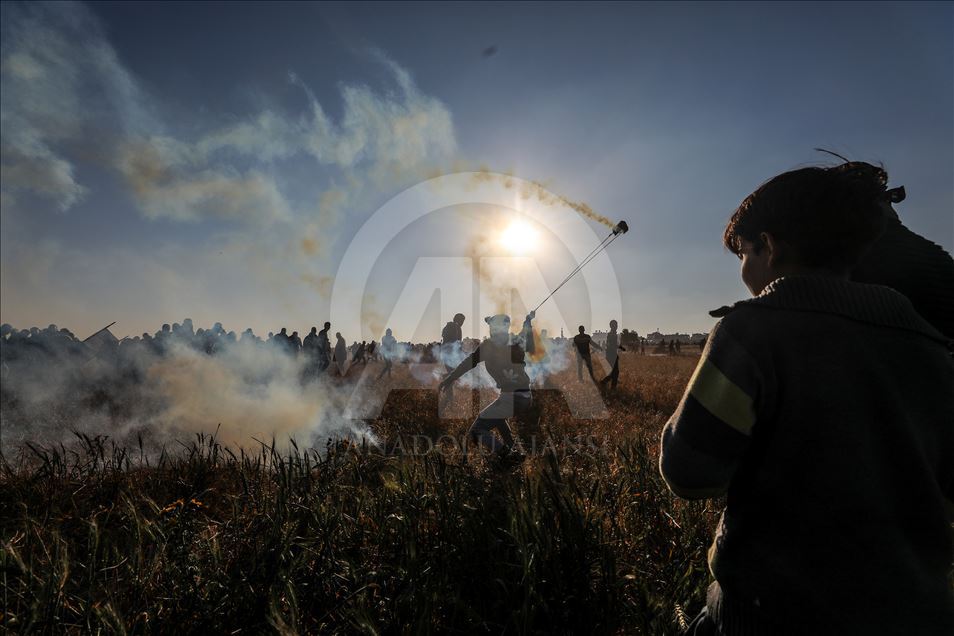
(175, 385)
(245, 390)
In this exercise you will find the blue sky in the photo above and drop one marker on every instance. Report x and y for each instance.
(168, 160)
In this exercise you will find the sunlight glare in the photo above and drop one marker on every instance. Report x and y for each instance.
(519, 238)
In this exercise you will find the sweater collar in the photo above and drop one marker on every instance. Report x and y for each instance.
(872, 304)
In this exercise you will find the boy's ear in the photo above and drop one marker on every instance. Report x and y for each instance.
(772, 248)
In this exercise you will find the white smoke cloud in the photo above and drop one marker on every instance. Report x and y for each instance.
(392, 132)
(171, 181)
(247, 391)
(63, 82)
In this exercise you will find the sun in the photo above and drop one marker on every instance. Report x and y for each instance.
(519, 238)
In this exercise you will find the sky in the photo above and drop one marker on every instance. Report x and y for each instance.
(219, 161)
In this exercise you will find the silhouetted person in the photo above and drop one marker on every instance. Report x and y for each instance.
(294, 344)
(209, 339)
(163, 337)
(324, 348)
(913, 265)
(388, 351)
(504, 358)
(281, 341)
(187, 328)
(672, 347)
(612, 355)
(341, 353)
(309, 349)
(451, 337)
(582, 341)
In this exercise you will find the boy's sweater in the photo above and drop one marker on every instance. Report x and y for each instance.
(825, 410)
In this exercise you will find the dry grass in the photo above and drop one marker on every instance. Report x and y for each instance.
(583, 538)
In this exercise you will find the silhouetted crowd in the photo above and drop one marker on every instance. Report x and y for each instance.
(320, 352)
(50, 377)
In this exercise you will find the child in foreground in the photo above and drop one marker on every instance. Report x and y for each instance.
(823, 409)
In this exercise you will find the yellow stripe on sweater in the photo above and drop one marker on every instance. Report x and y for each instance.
(722, 397)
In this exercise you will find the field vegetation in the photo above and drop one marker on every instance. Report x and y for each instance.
(584, 537)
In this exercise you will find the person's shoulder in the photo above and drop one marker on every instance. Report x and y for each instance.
(743, 324)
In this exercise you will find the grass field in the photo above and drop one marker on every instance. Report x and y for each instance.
(583, 538)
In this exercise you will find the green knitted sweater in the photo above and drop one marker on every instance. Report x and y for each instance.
(824, 410)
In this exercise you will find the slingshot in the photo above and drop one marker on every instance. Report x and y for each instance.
(619, 229)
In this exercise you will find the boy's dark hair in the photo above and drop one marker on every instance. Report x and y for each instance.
(827, 216)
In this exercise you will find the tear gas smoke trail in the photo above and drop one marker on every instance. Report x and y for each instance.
(535, 189)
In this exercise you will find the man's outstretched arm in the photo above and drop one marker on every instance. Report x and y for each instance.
(466, 365)
(706, 437)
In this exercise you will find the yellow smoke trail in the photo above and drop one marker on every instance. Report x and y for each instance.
(536, 190)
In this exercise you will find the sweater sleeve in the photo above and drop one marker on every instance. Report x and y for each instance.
(465, 365)
(706, 437)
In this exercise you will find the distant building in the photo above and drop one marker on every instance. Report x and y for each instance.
(682, 338)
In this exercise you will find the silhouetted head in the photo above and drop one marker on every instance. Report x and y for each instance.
(314, 330)
(811, 218)
(294, 334)
(166, 327)
(582, 329)
(459, 319)
(499, 326)
(387, 331)
(283, 331)
(613, 325)
(338, 335)
(327, 325)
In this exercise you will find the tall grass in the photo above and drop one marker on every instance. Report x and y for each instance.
(103, 538)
